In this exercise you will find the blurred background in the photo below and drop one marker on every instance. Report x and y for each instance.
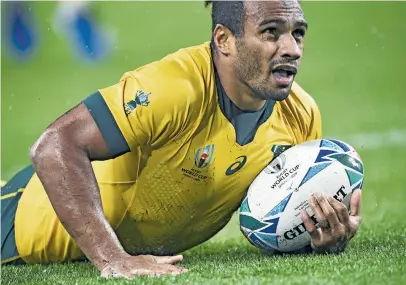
(54, 54)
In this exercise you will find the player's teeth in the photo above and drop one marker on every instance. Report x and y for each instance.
(282, 73)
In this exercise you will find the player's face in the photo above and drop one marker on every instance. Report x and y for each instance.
(269, 53)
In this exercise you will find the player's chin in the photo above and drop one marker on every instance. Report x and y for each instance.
(279, 93)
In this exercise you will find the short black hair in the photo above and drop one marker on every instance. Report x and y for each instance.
(228, 13)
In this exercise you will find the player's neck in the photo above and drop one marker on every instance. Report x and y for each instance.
(238, 92)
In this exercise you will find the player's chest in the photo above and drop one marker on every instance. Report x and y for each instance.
(212, 160)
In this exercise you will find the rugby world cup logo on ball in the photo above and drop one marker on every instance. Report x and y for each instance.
(276, 165)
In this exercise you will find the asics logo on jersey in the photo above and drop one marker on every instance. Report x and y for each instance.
(141, 99)
(233, 168)
(203, 157)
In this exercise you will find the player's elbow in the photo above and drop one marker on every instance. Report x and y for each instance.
(46, 146)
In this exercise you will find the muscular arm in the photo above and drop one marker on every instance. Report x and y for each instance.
(107, 124)
(62, 159)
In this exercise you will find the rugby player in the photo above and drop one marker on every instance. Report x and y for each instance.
(156, 164)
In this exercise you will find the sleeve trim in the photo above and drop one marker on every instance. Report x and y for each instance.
(107, 125)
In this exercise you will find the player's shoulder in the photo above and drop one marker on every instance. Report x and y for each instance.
(186, 74)
(300, 102)
(302, 113)
(196, 60)
(178, 89)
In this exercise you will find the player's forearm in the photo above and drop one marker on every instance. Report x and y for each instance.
(66, 173)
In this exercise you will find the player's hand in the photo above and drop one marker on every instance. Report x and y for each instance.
(336, 226)
(132, 266)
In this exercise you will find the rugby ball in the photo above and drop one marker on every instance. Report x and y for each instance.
(270, 213)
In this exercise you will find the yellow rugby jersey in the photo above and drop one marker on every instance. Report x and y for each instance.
(179, 174)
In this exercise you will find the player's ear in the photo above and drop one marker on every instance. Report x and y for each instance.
(223, 39)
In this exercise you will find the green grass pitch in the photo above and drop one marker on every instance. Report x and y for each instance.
(353, 66)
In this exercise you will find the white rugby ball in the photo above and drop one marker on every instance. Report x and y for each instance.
(270, 213)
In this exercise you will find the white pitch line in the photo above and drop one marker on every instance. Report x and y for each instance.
(369, 141)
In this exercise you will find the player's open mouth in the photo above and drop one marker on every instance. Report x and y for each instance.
(284, 74)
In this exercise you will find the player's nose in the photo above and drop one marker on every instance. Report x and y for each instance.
(288, 47)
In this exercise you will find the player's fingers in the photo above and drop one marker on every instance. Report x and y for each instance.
(168, 259)
(116, 272)
(173, 269)
(142, 272)
(106, 272)
(355, 203)
(318, 212)
(328, 211)
(158, 270)
(309, 224)
(341, 210)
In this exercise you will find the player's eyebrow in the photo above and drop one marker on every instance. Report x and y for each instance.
(302, 23)
(282, 22)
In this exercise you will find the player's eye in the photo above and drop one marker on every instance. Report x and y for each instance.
(299, 33)
(270, 31)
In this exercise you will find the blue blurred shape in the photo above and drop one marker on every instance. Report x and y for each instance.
(20, 35)
(89, 40)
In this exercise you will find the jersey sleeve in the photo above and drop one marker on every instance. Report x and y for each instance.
(149, 107)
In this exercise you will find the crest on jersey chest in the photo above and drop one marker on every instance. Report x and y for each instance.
(204, 156)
